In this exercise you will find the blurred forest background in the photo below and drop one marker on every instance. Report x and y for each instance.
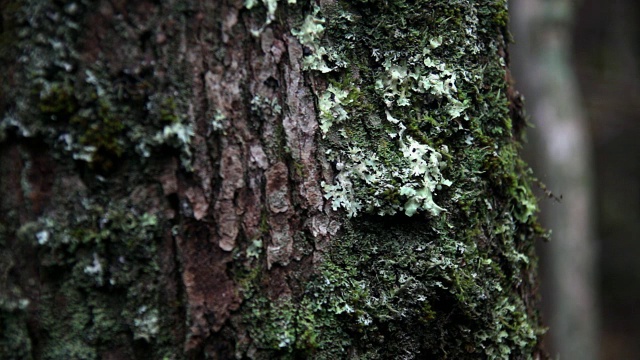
(578, 64)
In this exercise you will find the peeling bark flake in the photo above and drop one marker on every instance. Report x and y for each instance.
(226, 213)
(199, 203)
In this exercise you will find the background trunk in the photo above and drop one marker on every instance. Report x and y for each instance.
(562, 153)
(234, 179)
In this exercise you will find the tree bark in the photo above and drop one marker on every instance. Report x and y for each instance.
(244, 179)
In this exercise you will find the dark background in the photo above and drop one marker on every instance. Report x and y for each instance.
(606, 50)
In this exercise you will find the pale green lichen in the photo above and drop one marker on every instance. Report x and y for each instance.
(146, 323)
(218, 121)
(262, 106)
(362, 177)
(94, 269)
(255, 248)
(309, 35)
(330, 107)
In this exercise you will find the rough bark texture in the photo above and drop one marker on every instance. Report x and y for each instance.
(231, 179)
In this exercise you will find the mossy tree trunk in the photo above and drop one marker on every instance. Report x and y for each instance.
(263, 179)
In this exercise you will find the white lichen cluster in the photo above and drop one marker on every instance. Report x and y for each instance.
(95, 270)
(419, 75)
(367, 182)
(177, 134)
(364, 180)
(309, 35)
(425, 164)
(271, 5)
(331, 109)
(146, 324)
(416, 176)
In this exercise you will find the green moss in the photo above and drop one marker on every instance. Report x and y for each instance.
(95, 250)
(15, 342)
(58, 101)
(100, 129)
(168, 111)
(286, 330)
(454, 296)
(103, 131)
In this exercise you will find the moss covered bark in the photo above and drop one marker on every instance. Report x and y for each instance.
(265, 180)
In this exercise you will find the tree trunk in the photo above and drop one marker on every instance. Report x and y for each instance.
(244, 179)
(562, 146)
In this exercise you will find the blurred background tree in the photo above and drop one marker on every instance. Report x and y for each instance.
(577, 64)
